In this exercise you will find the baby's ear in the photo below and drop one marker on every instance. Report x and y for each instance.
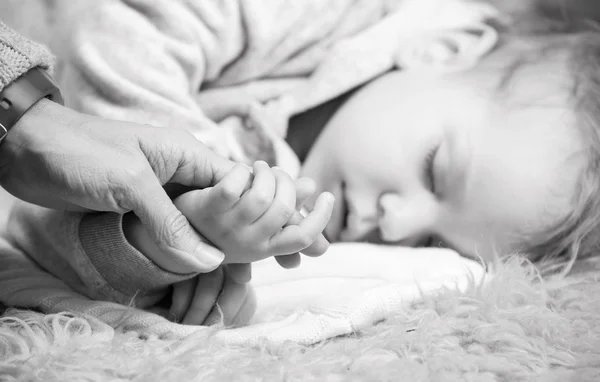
(447, 50)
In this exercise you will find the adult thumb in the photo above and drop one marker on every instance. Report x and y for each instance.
(185, 247)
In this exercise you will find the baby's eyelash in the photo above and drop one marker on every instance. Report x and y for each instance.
(428, 168)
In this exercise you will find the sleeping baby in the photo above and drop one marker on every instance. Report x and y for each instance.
(458, 135)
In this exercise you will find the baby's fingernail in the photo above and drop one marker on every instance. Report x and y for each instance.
(208, 257)
(260, 163)
(329, 198)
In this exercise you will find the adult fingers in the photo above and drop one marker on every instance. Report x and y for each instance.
(228, 304)
(207, 292)
(183, 293)
(247, 310)
(240, 273)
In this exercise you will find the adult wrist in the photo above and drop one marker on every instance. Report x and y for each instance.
(25, 144)
(20, 96)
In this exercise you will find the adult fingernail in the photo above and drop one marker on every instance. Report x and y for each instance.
(208, 257)
(171, 316)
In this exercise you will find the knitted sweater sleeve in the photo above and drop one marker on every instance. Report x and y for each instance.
(18, 55)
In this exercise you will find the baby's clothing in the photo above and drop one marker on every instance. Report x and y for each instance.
(156, 62)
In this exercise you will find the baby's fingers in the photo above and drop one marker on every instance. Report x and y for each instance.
(305, 187)
(282, 208)
(305, 234)
(289, 261)
(229, 190)
(259, 197)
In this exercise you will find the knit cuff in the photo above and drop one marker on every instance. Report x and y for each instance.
(18, 55)
(123, 267)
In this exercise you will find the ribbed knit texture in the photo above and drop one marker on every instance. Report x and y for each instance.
(18, 55)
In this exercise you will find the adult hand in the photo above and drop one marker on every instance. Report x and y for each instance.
(58, 158)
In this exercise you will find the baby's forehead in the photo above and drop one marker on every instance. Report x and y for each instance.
(532, 71)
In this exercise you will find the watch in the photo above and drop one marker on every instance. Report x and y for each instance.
(20, 95)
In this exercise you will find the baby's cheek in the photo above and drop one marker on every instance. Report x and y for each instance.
(247, 310)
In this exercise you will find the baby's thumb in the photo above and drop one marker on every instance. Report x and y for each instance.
(173, 233)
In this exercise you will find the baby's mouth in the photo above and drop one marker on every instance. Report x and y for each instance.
(355, 227)
(345, 208)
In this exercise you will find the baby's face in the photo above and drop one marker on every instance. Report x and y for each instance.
(417, 158)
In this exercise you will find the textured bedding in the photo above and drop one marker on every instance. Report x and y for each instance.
(326, 322)
(513, 327)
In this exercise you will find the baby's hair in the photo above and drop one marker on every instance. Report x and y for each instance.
(578, 234)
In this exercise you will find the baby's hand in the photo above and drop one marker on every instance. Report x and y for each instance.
(262, 221)
(242, 273)
(212, 298)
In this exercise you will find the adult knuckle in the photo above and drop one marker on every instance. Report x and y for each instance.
(135, 172)
(161, 158)
(159, 151)
(122, 190)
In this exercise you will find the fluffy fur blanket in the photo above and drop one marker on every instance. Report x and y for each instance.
(516, 327)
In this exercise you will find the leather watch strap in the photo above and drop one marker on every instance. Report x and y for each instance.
(20, 95)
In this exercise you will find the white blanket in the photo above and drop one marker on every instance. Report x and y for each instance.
(351, 287)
